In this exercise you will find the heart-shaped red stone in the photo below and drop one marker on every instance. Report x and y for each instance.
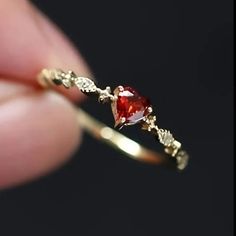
(129, 108)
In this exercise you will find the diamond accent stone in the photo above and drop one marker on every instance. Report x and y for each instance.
(85, 84)
(165, 137)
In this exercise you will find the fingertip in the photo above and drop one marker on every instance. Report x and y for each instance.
(39, 132)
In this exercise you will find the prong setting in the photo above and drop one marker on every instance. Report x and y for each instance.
(120, 123)
(150, 110)
(120, 88)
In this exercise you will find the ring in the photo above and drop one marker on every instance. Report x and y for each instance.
(128, 108)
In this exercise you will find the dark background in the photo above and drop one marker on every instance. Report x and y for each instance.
(180, 53)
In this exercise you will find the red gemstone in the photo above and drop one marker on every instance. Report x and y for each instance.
(130, 107)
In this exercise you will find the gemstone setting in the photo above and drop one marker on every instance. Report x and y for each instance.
(129, 107)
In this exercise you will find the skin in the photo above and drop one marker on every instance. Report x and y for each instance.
(38, 128)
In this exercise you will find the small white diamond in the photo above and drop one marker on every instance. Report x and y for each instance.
(165, 137)
(85, 84)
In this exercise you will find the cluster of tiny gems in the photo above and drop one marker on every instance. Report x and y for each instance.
(128, 106)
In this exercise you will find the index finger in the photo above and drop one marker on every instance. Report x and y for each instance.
(30, 42)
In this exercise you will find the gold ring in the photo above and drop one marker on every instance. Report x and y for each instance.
(128, 108)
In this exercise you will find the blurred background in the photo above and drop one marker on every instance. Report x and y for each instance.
(180, 54)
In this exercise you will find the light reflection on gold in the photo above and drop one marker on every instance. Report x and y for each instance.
(117, 140)
(129, 146)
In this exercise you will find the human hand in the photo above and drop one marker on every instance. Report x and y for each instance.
(38, 130)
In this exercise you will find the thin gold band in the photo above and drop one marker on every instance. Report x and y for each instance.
(174, 155)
